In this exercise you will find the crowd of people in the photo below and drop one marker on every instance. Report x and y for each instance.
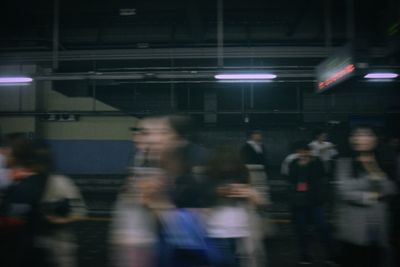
(184, 205)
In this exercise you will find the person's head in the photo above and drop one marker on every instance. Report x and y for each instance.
(320, 135)
(226, 166)
(32, 156)
(153, 134)
(303, 150)
(9, 140)
(363, 139)
(255, 136)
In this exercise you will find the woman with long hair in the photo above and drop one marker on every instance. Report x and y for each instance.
(232, 219)
(363, 190)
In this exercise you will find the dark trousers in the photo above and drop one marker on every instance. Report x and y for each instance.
(302, 217)
(227, 248)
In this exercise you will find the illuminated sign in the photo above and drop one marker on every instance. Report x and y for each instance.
(335, 69)
(340, 75)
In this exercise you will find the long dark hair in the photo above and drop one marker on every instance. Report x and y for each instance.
(32, 154)
(226, 166)
(377, 152)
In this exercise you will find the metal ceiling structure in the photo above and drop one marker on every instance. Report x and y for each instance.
(171, 44)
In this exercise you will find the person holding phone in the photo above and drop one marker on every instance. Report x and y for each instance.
(307, 187)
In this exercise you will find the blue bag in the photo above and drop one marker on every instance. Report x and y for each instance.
(184, 231)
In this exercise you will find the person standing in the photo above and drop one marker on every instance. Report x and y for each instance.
(306, 179)
(364, 191)
(61, 206)
(289, 159)
(327, 153)
(253, 152)
(21, 219)
(323, 149)
(233, 223)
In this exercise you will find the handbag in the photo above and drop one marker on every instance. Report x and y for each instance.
(183, 230)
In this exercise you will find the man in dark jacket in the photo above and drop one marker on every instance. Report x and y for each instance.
(306, 178)
(21, 218)
(253, 151)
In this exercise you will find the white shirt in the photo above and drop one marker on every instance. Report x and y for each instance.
(325, 151)
(228, 222)
(256, 146)
(59, 187)
(286, 163)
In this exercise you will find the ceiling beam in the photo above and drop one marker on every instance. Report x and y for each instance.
(175, 53)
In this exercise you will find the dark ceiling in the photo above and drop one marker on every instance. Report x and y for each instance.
(175, 39)
(97, 24)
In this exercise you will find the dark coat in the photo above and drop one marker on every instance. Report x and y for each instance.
(356, 212)
(250, 156)
(21, 222)
(313, 176)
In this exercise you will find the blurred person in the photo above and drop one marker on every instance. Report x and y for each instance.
(150, 137)
(290, 158)
(183, 128)
(323, 149)
(134, 232)
(161, 233)
(5, 147)
(306, 178)
(62, 204)
(233, 223)
(253, 154)
(182, 233)
(20, 211)
(327, 153)
(5, 178)
(135, 228)
(184, 187)
(253, 151)
(364, 189)
(156, 134)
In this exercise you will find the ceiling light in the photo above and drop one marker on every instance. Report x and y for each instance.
(381, 75)
(15, 80)
(245, 76)
(245, 81)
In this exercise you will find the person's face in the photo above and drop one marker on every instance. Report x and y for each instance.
(257, 137)
(363, 140)
(157, 134)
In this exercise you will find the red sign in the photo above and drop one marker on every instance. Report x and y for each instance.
(337, 76)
